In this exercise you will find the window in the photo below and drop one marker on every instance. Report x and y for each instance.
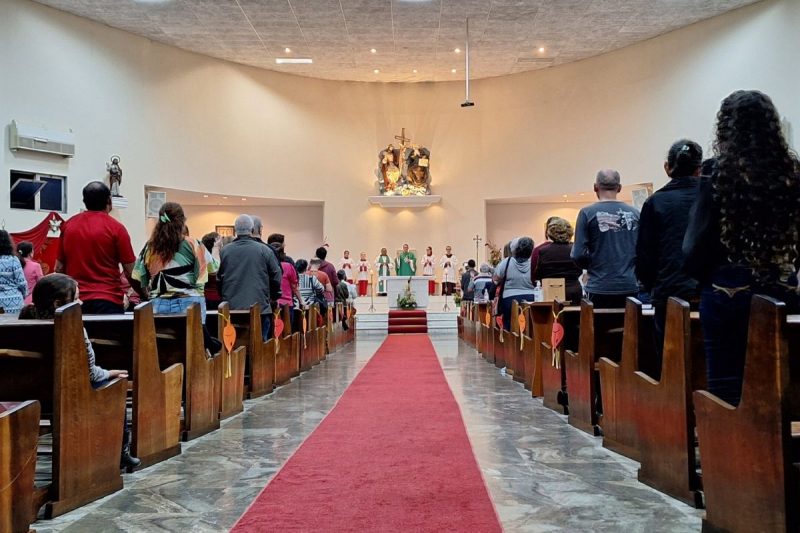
(38, 192)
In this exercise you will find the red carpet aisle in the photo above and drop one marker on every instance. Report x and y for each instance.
(393, 455)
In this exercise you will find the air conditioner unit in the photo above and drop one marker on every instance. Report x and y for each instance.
(39, 139)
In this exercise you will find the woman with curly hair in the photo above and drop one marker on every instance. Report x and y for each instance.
(554, 260)
(172, 267)
(13, 287)
(743, 232)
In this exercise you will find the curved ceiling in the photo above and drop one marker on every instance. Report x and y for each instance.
(413, 40)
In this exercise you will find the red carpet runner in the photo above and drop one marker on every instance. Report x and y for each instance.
(393, 455)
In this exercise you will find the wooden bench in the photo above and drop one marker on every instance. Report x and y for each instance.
(231, 378)
(539, 318)
(129, 343)
(260, 359)
(180, 340)
(513, 349)
(600, 336)
(287, 353)
(45, 360)
(663, 409)
(554, 365)
(618, 383)
(19, 434)
(749, 453)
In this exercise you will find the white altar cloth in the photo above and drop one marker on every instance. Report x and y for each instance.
(396, 285)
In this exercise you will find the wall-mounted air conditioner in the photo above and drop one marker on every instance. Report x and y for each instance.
(39, 139)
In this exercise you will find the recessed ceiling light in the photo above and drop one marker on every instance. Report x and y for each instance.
(243, 199)
(582, 193)
(293, 60)
(205, 196)
(414, 71)
(453, 70)
(563, 196)
(541, 49)
(376, 71)
(287, 50)
(224, 197)
(457, 50)
(373, 51)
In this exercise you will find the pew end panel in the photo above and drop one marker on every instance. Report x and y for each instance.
(232, 366)
(665, 414)
(749, 474)
(157, 395)
(19, 435)
(618, 384)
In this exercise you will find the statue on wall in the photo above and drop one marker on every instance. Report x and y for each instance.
(404, 170)
(114, 175)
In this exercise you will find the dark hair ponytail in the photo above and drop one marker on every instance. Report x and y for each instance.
(24, 249)
(684, 158)
(50, 292)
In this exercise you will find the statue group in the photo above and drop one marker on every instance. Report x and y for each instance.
(404, 170)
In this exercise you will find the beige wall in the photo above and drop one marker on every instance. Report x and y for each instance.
(302, 225)
(183, 120)
(507, 221)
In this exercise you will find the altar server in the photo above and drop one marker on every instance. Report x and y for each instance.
(449, 265)
(346, 264)
(429, 269)
(363, 268)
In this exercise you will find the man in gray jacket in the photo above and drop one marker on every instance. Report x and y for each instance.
(249, 273)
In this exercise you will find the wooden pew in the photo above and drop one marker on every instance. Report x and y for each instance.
(498, 349)
(180, 340)
(293, 365)
(231, 377)
(600, 336)
(19, 434)
(482, 334)
(129, 342)
(618, 384)
(663, 410)
(308, 348)
(539, 319)
(259, 355)
(283, 352)
(749, 452)
(513, 350)
(553, 368)
(45, 360)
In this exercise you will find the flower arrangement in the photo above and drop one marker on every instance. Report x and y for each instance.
(407, 300)
(406, 190)
(495, 254)
(457, 298)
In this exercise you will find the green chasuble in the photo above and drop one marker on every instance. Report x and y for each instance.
(406, 264)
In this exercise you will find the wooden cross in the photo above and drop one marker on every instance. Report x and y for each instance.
(402, 137)
(478, 241)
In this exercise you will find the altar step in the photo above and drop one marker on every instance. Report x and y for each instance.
(408, 321)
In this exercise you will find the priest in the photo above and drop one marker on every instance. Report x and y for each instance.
(406, 262)
(383, 264)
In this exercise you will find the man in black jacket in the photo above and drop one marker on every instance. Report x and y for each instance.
(662, 225)
(249, 273)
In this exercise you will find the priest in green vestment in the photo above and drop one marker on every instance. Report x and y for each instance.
(406, 263)
(384, 264)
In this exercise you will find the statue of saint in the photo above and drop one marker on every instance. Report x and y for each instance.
(114, 175)
(384, 265)
(406, 262)
(390, 170)
(417, 161)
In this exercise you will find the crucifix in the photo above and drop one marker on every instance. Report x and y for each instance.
(478, 241)
(402, 138)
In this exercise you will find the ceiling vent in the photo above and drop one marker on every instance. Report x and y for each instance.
(42, 140)
(535, 60)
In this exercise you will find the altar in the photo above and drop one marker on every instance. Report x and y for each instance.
(396, 285)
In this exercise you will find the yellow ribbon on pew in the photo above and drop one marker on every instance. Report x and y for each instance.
(305, 330)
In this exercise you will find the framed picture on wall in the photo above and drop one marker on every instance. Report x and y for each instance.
(224, 231)
(640, 194)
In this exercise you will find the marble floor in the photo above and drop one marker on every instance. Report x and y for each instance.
(542, 474)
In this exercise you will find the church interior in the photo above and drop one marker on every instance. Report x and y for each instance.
(385, 128)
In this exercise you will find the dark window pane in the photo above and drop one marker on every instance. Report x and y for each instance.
(52, 196)
(23, 191)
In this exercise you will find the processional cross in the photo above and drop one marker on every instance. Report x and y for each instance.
(478, 241)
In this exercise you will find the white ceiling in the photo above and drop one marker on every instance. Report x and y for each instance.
(184, 197)
(406, 34)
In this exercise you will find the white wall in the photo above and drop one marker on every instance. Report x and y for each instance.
(301, 225)
(184, 120)
(507, 221)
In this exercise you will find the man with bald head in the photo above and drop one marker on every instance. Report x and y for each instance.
(605, 244)
(249, 273)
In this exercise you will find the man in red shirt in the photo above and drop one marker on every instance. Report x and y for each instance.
(93, 246)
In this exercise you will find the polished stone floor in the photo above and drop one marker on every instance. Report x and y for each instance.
(543, 475)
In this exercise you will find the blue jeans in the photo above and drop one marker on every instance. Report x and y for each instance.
(266, 326)
(505, 307)
(725, 321)
(176, 306)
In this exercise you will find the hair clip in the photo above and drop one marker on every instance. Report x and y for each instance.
(685, 148)
(164, 218)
